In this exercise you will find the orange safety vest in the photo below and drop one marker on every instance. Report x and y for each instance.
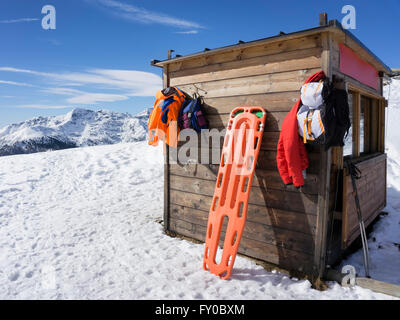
(163, 121)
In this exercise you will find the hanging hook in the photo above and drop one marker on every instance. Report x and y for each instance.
(197, 90)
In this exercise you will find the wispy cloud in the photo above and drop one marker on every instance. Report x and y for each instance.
(187, 32)
(11, 69)
(133, 13)
(95, 85)
(62, 91)
(19, 20)
(93, 98)
(82, 97)
(14, 83)
(136, 83)
(41, 106)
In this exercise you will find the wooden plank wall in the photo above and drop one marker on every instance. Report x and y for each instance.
(371, 188)
(281, 222)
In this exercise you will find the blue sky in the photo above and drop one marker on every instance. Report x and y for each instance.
(99, 54)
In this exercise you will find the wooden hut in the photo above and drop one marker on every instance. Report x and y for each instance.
(301, 230)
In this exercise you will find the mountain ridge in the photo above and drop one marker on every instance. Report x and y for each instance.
(77, 128)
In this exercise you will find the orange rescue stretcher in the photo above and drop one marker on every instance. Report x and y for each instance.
(238, 160)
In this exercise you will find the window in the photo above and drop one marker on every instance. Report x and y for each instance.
(363, 110)
(348, 142)
(365, 116)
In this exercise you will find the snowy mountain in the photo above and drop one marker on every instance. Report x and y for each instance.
(77, 128)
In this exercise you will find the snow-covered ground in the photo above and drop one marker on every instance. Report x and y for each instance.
(82, 224)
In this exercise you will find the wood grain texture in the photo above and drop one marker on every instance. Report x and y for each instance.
(270, 101)
(371, 188)
(266, 160)
(282, 62)
(324, 178)
(248, 51)
(274, 253)
(265, 83)
(280, 219)
(268, 179)
(259, 198)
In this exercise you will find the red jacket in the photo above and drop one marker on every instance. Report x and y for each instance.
(291, 153)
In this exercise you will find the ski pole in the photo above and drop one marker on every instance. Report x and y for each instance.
(355, 173)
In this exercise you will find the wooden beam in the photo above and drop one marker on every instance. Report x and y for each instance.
(337, 157)
(321, 237)
(367, 283)
(379, 286)
(323, 19)
(374, 122)
(267, 42)
(166, 157)
(366, 106)
(345, 208)
(356, 86)
(381, 139)
(356, 123)
(257, 63)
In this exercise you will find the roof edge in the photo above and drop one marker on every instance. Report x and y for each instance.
(355, 39)
(332, 26)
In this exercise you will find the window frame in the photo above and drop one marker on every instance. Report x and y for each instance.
(374, 136)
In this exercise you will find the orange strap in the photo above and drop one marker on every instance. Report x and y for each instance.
(320, 123)
(309, 119)
(316, 91)
(307, 134)
(305, 88)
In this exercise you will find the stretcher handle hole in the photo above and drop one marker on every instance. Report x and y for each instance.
(255, 143)
(210, 230)
(219, 184)
(250, 163)
(234, 238)
(215, 204)
(229, 260)
(245, 184)
(241, 206)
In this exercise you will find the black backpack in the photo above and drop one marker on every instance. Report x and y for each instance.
(337, 118)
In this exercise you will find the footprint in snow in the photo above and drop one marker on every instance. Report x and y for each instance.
(101, 173)
(87, 175)
(9, 190)
(14, 276)
(100, 163)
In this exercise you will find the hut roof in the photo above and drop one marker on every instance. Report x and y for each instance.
(333, 26)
